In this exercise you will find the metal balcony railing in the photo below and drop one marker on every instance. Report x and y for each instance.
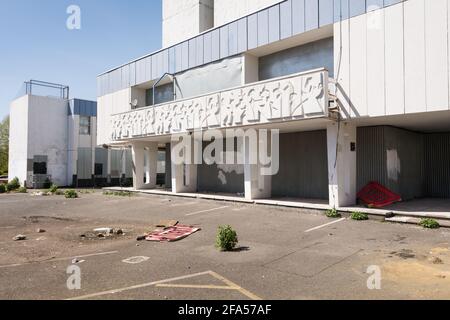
(45, 89)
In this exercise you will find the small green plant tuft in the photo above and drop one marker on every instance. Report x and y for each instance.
(22, 190)
(430, 224)
(359, 216)
(3, 188)
(13, 185)
(117, 193)
(227, 238)
(333, 213)
(71, 194)
(53, 189)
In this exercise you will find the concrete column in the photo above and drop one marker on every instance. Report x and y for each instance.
(184, 175)
(151, 165)
(257, 185)
(137, 150)
(342, 164)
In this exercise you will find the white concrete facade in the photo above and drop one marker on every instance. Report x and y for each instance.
(390, 68)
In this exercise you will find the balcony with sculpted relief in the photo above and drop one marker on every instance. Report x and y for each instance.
(277, 101)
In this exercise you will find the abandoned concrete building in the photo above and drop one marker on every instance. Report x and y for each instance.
(359, 91)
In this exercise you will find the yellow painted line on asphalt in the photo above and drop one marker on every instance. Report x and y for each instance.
(166, 284)
(235, 286)
(204, 211)
(59, 259)
(325, 225)
(139, 286)
(194, 286)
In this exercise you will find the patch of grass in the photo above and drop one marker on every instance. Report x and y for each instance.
(429, 224)
(227, 238)
(3, 188)
(53, 189)
(59, 193)
(333, 213)
(359, 216)
(86, 191)
(13, 185)
(71, 194)
(117, 193)
(22, 190)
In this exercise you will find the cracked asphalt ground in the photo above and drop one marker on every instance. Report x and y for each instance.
(280, 257)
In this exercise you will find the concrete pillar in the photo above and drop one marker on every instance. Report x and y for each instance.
(184, 175)
(342, 164)
(137, 150)
(151, 165)
(257, 185)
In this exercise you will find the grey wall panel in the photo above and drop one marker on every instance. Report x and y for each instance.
(207, 48)
(252, 29)
(302, 58)
(140, 71)
(391, 2)
(116, 163)
(263, 27)
(99, 87)
(298, 16)
(215, 44)
(224, 42)
(233, 38)
(373, 5)
(168, 176)
(192, 53)
(311, 14)
(200, 51)
(155, 66)
(286, 19)
(242, 35)
(437, 165)
(128, 164)
(178, 58)
(341, 10)
(274, 23)
(357, 7)
(101, 157)
(165, 62)
(303, 166)
(326, 12)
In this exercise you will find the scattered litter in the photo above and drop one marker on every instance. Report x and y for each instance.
(141, 238)
(40, 230)
(377, 196)
(119, 232)
(41, 239)
(436, 260)
(77, 261)
(171, 234)
(136, 260)
(20, 237)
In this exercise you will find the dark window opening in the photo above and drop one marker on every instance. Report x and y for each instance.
(39, 167)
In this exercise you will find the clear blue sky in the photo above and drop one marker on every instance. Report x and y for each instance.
(35, 43)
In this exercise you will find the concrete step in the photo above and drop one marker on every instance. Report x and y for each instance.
(414, 220)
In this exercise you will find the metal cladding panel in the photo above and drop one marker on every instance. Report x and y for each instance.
(242, 35)
(341, 10)
(178, 58)
(233, 38)
(132, 74)
(155, 66)
(311, 14)
(286, 19)
(252, 26)
(263, 27)
(192, 53)
(172, 60)
(101, 157)
(207, 48)
(164, 62)
(370, 156)
(437, 165)
(357, 7)
(184, 56)
(200, 51)
(99, 87)
(224, 46)
(116, 163)
(326, 12)
(303, 166)
(84, 163)
(274, 23)
(391, 2)
(125, 76)
(215, 45)
(298, 16)
(129, 164)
